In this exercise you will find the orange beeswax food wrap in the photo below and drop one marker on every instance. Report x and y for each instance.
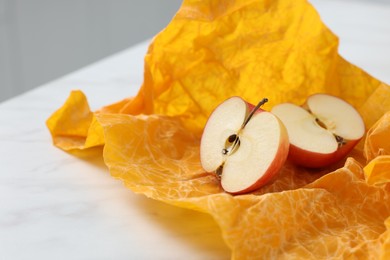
(210, 51)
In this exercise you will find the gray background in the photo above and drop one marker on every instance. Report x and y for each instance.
(41, 40)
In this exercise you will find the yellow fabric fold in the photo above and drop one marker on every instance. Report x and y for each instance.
(74, 126)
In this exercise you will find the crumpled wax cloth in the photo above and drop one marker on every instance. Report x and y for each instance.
(212, 50)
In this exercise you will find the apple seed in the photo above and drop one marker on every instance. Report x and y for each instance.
(232, 138)
(320, 123)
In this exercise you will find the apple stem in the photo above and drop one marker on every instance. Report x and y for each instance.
(262, 102)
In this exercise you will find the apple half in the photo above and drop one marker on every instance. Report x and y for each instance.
(322, 131)
(244, 145)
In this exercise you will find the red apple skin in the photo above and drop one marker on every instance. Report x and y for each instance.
(309, 159)
(251, 107)
(280, 158)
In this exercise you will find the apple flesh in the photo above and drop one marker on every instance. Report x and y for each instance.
(244, 145)
(322, 131)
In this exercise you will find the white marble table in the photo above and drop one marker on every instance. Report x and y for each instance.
(56, 206)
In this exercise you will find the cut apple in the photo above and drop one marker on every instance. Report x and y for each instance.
(322, 131)
(244, 145)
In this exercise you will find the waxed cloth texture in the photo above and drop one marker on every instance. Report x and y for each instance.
(212, 50)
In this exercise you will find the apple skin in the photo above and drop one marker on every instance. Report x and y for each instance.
(280, 158)
(309, 159)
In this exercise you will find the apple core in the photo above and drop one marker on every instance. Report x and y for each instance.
(231, 145)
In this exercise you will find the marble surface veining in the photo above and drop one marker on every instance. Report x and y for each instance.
(56, 206)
